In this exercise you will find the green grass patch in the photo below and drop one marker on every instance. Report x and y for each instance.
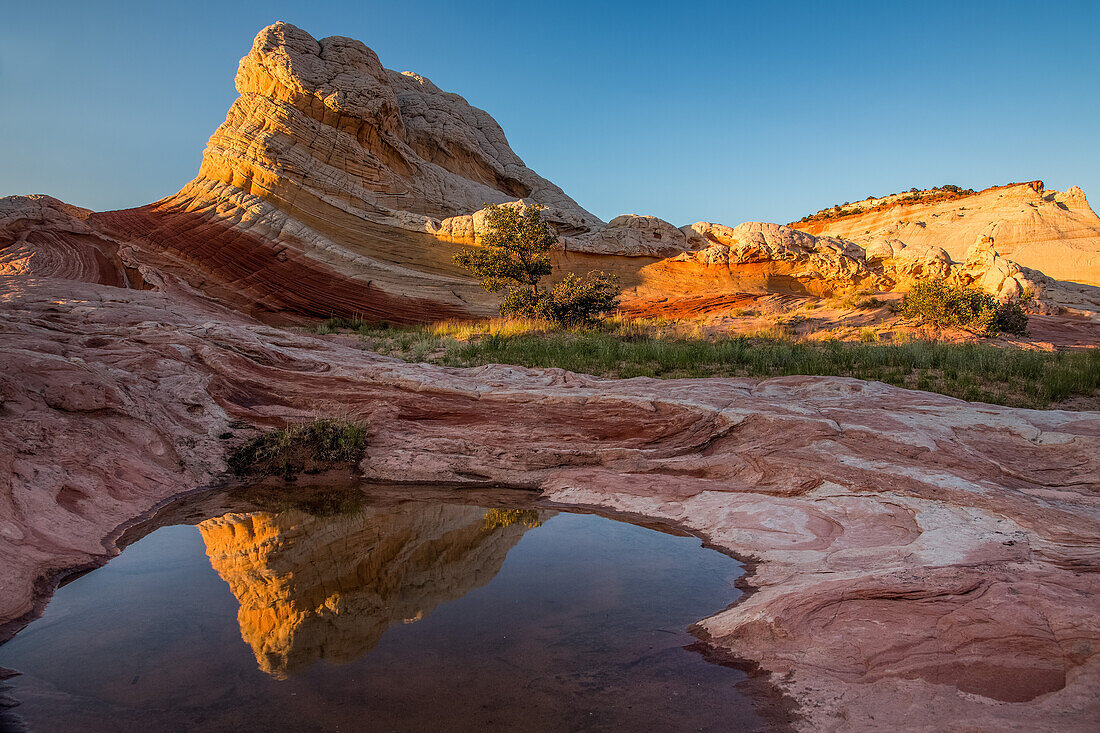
(622, 349)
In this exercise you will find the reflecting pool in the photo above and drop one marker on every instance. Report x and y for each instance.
(408, 615)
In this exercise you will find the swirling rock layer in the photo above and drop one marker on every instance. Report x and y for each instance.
(921, 562)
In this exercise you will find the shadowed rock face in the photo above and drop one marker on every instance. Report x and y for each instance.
(327, 588)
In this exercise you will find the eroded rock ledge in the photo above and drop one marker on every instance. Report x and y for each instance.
(923, 562)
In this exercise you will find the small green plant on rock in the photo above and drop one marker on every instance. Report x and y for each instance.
(300, 448)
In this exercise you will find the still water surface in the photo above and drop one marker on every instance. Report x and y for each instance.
(414, 616)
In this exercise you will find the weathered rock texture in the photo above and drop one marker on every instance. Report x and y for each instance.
(327, 588)
(1054, 232)
(922, 562)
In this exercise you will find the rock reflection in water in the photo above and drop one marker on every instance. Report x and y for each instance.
(327, 587)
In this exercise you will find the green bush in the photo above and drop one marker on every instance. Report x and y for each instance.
(1012, 318)
(526, 303)
(306, 447)
(945, 306)
(578, 300)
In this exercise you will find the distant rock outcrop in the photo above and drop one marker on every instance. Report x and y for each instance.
(323, 119)
(1054, 232)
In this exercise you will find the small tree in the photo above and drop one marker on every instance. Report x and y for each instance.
(515, 257)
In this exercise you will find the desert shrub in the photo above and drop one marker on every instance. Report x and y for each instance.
(297, 448)
(578, 300)
(868, 335)
(1012, 317)
(943, 305)
(526, 303)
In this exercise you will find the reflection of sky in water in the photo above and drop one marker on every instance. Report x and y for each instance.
(422, 615)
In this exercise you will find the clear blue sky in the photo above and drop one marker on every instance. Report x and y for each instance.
(724, 111)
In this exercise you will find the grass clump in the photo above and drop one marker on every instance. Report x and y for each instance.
(868, 335)
(942, 305)
(297, 448)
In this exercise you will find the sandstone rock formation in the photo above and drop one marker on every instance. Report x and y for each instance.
(327, 588)
(768, 257)
(921, 561)
(338, 187)
(1054, 232)
(983, 268)
(41, 236)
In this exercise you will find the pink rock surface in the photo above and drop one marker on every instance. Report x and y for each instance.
(919, 561)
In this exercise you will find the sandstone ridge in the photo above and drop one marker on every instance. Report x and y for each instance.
(1055, 232)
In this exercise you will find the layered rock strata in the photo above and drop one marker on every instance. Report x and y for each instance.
(1054, 232)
